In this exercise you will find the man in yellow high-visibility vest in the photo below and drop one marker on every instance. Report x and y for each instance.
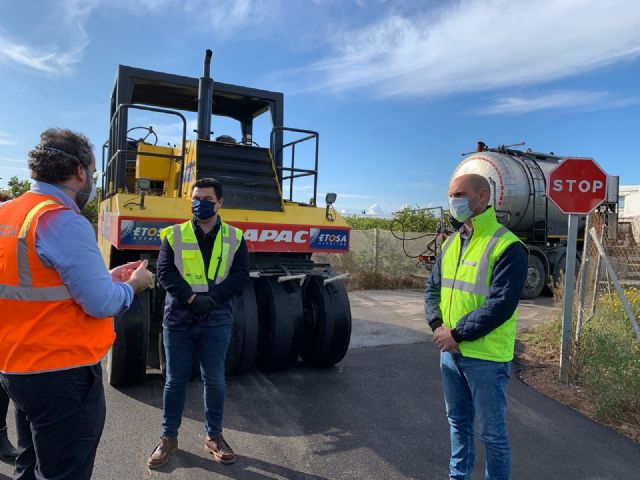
(203, 263)
(470, 303)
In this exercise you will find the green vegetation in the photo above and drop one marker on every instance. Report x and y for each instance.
(608, 360)
(409, 219)
(605, 365)
(17, 187)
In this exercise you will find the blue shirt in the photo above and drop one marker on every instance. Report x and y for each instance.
(66, 242)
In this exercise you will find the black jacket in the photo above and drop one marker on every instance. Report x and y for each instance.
(177, 314)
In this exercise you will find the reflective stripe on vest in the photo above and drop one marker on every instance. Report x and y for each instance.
(188, 258)
(26, 291)
(479, 287)
(465, 282)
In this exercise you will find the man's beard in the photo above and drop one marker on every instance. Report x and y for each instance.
(81, 200)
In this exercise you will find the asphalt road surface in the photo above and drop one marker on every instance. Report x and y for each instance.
(377, 415)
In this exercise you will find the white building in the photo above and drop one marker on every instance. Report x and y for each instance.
(629, 201)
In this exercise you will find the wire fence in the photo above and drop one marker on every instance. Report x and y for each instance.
(382, 259)
(609, 274)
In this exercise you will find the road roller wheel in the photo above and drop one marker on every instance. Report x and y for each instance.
(280, 320)
(127, 358)
(327, 323)
(243, 346)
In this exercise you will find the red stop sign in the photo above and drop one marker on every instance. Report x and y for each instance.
(577, 185)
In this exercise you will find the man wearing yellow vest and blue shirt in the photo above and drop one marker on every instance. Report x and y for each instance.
(202, 265)
(470, 303)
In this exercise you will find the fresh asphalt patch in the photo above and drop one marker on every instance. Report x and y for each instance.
(378, 414)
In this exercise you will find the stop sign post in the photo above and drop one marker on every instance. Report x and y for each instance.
(577, 186)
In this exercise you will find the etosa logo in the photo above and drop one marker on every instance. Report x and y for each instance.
(276, 236)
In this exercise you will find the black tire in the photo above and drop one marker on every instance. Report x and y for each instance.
(327, 327)
(243, 346)
(536, 278)
(127, 358)
(561, 265)
(280, 320)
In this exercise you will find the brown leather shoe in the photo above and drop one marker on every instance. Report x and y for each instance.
(220, 450)
(162, 452)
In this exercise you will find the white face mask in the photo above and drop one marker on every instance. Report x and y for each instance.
(459, 208)
(81, 201)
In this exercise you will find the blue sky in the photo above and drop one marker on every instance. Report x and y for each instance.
(397, 89)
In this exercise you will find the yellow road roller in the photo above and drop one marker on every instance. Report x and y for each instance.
(293, 307)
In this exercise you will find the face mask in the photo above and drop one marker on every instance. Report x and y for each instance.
(84, 196)
(203, 209)
(459, 208)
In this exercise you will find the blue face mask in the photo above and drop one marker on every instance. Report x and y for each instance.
(459, 208)
(203, 209)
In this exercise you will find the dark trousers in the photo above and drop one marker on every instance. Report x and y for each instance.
(59, 419)
(4, 406)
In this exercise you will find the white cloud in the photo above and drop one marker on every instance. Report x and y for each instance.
(557, 100)
(476, 45)
(57, 54)
(5, 139)
(375, 209)
(44, 59)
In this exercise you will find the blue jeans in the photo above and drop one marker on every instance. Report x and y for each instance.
(210, 343)
(476, 388)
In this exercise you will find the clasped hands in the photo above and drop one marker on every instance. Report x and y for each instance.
(201, 304)
(444, 341)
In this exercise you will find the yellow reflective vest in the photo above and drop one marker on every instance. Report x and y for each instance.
(188, 258)
(465, 282)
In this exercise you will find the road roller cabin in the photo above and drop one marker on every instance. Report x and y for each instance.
(293, 307)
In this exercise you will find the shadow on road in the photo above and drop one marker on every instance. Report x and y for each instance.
(359, 406)
(245, 468)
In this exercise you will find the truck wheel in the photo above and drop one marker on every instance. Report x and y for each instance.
(127, 358)
(327, 323)
(243, 346)
(561, 265)
(280, 321)
(535, 279)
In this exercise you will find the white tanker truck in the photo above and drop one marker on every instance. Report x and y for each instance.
(518, 182)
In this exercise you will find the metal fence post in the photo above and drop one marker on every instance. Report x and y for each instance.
(584, 265)
(375, 250)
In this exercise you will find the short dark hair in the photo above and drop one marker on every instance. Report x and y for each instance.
(58, 154)
(209, 183)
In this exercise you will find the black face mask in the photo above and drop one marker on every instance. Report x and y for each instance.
(203, 209)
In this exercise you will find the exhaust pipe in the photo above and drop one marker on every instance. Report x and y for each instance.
(205, 99)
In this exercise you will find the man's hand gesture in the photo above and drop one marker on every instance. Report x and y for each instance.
(140, 278)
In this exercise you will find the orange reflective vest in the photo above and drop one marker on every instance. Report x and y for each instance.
(42, 328)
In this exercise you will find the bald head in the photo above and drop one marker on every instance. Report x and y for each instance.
(474, 187)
